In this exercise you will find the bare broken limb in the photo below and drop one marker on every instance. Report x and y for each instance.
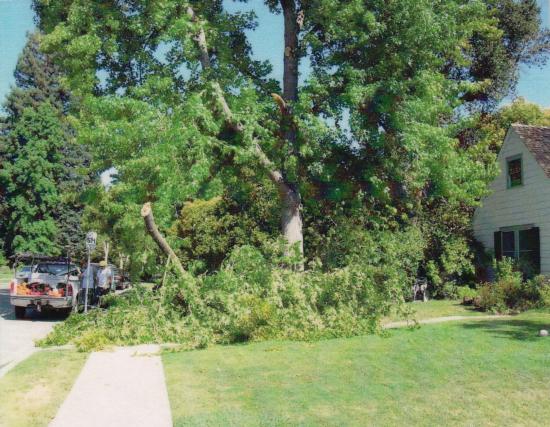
(147, 215)
(291, 219)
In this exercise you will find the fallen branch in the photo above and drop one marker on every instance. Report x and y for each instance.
(147, 215)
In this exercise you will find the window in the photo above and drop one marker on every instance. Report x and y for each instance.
(521, 243)
(515, 173)
(56, 269)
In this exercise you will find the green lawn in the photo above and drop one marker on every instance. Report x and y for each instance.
(32, 392)
(488, 372)
(437, 308)
(5, 275)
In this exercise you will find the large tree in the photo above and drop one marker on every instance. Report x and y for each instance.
(43, 169)
(521, 40)
(171, 97)
(29, 176)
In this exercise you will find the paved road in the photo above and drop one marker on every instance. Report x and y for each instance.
(17, 336)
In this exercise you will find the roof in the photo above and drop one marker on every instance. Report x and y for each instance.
(537, 141)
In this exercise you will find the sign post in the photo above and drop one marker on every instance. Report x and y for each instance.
(91, 239)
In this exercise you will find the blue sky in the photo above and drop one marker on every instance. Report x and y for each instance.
(16, 18)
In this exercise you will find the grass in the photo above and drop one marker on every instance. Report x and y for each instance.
(490, 372)
(32, 392)
(5, 274)
(437, 308)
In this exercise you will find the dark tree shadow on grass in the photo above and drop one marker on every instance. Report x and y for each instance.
(522, 330)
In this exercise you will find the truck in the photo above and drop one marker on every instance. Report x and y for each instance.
(43, 282)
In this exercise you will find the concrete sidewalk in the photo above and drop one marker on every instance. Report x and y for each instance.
(125, 387)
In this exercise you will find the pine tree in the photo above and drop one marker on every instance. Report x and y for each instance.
(41, 172)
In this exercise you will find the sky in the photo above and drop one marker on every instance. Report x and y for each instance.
(16, 18)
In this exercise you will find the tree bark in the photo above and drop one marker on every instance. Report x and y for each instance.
(201, 40)
(147, 215)
(291, 216)
(290, 74)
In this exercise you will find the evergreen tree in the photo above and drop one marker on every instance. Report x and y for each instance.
(37, 80)
(43, 169)
(29, 176)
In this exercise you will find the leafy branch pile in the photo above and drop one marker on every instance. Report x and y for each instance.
(250, 298)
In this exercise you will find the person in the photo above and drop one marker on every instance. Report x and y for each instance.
(104, 278)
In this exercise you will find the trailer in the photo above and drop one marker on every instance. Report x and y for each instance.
(50, 283)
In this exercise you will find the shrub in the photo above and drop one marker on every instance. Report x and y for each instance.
(545, 296)
(510, 292)
(208, 230)
(491, 298)
(504, 294)
(467, 295)
(536, 292)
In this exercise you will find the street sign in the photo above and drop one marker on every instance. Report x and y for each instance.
(91, 239)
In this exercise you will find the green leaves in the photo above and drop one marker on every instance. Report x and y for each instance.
(381, 122)
(30, 181)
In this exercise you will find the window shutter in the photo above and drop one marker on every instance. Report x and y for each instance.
(534, 245)
(498, 244)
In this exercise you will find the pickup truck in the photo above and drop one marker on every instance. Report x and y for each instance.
(49, 283)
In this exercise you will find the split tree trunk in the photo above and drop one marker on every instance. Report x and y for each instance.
(147, 215)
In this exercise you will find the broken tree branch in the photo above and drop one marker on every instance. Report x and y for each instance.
(275, 175)
(280, 103)
(201, 39)
(147, 215)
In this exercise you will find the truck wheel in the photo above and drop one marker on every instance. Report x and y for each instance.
(19, 312)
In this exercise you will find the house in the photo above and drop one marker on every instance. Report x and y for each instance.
(514, 219)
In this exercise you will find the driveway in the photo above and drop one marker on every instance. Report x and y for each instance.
(17, 336)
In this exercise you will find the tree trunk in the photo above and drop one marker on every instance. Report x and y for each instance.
(291, 216)
(106, 246)
(291, 223)
(290, 75)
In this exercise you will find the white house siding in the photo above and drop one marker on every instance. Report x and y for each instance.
(527, 204)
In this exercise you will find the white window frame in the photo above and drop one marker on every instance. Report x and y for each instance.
(516, 229)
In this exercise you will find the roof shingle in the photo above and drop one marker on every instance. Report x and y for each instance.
(537, 140)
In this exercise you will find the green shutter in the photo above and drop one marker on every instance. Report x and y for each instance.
(534, 245)
(498, 244)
